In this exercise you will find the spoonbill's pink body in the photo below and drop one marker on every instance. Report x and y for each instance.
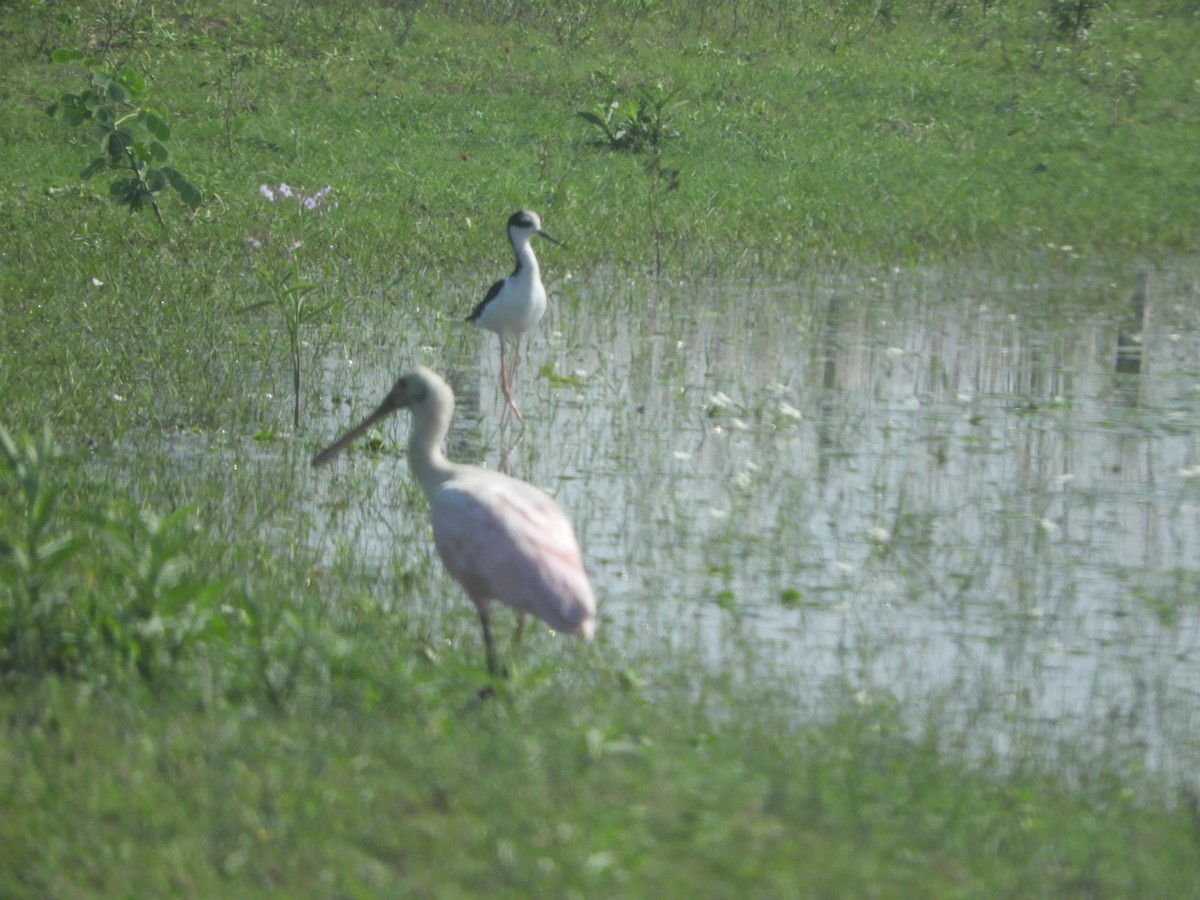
(499, 537)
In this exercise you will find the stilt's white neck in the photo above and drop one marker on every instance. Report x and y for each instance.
(527, 263)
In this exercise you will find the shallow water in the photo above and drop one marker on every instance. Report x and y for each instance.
(930, 487)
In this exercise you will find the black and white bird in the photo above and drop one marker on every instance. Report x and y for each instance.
(515, 304)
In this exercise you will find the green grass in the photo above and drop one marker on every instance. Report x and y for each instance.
(565, 784)
(199, 696)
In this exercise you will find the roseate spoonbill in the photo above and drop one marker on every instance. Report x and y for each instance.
(515, 304)
(500, 538)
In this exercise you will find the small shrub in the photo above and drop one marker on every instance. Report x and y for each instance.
(38, 628)
(155, 607)
(89, 594)
(132, 138)
(635, 125)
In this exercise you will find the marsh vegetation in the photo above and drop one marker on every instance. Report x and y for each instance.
(869, 381)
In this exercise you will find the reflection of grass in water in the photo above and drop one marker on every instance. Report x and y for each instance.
(997, 563)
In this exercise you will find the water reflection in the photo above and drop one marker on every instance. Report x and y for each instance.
(1129, 337)
(934, 486)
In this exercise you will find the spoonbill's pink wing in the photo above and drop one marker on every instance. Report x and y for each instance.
(503, 539)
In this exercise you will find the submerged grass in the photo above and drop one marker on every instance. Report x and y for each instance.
(198, 697)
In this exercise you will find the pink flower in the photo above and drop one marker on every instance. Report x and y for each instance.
(311, 203)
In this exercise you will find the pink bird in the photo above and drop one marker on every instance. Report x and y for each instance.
(500, 538)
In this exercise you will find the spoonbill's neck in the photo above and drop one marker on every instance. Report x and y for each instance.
(431, 424)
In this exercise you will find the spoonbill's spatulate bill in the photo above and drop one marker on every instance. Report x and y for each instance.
(515, 304)
(499, 537)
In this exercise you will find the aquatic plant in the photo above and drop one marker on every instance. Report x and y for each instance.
(277, 264)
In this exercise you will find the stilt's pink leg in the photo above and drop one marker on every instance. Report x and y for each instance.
(506, 385)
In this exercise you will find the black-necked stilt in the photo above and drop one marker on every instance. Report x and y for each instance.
(500, 538)
(515, 304)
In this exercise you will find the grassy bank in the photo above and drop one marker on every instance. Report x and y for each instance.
(198, 696)
(948, 129)
(566, 786)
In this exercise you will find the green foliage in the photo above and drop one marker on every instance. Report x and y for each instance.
(405, 12)
(132, 138)
(157, 606)
(91, 593)
(101, 595)
(38, 627)
(635, 125)
(1069, 19)
(573, 22)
